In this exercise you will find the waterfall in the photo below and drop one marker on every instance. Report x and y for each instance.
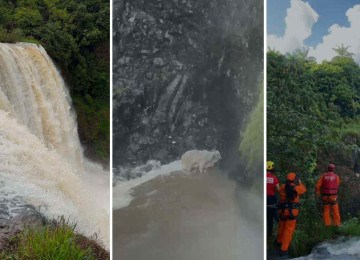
(41, 159)
(33, 92)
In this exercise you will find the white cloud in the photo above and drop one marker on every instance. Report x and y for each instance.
(299, 20)
(337, 35)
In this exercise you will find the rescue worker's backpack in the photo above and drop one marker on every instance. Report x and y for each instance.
(329, 184)
(291, 192)
(291, 195)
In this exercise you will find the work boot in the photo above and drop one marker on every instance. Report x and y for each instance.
(277, 244)
(283, 254)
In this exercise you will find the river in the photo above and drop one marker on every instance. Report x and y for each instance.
(189, 216)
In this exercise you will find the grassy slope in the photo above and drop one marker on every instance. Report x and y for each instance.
(56, 240)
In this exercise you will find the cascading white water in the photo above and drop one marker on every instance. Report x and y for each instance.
(33, 92)
(41, 158)
(345, 248)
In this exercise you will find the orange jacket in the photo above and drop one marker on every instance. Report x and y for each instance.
(319, 185)
(300, 189)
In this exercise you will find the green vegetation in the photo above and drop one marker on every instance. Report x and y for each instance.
(75, 33)
(303, 242)
(313, 118)
(252, 140)
(54, 241)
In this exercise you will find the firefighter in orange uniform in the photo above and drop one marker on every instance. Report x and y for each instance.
(328, 186)
(289, 210)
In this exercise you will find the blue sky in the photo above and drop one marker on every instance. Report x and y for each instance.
(330, 12)
(321, 14)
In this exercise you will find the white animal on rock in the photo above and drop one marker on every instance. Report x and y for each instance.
(199, 160)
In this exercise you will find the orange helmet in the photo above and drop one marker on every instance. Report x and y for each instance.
(291, 176)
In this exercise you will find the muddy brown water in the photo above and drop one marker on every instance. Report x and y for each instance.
(185, 217)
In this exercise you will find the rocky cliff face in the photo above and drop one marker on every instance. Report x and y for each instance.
(185, 76)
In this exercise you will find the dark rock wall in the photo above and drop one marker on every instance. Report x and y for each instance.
(186, 74)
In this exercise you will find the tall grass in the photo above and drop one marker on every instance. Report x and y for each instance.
(51, 242)
(304, 240)
(350, 228)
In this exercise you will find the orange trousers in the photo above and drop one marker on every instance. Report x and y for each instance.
(286, 231)
(336, 215)
(327, 208)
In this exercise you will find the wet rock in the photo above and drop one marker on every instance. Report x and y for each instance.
(149, 76)
(158, 62)
(124, 60)
(132, 19)
(27, 219)
(127, 173)
(4, 214)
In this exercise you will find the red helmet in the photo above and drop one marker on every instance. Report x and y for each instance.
(331, 167)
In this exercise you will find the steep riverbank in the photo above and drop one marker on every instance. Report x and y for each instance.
(31, 236)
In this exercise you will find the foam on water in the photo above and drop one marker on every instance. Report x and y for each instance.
(122, 189)
(342, 248)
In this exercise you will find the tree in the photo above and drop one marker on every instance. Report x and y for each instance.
(295, 60)
(301, 54)
(343, 52)
(28, 18)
